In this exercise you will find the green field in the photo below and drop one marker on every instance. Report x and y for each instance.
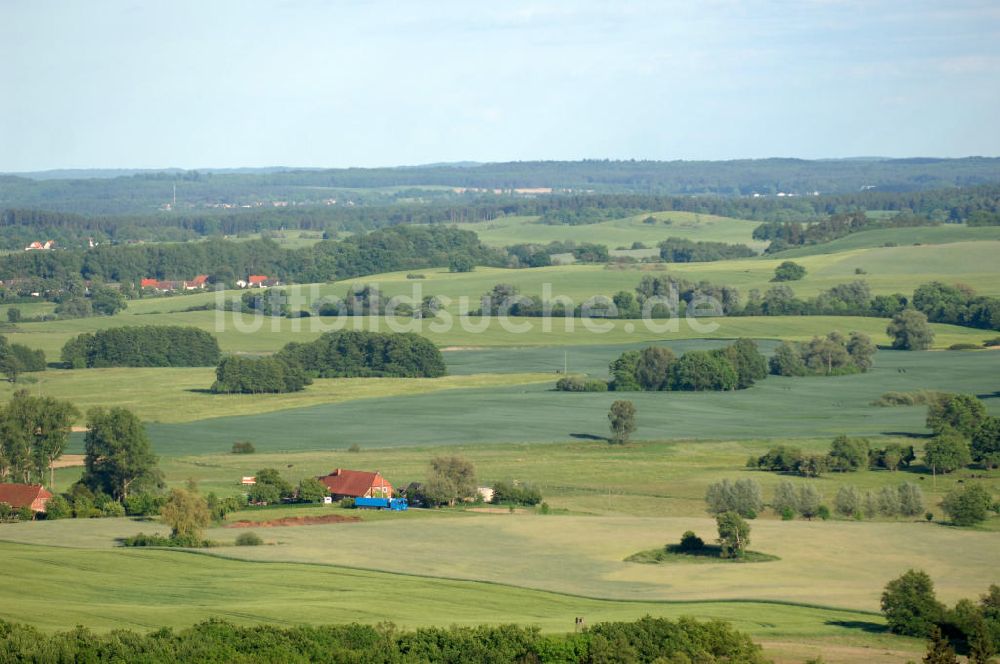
(774, 408)
(618, 232)
(900, 236)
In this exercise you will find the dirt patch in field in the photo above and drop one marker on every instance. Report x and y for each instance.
(452, 349)
(68, 461)
(295, 521)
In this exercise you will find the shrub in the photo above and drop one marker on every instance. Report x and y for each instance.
(58, 508)
(347, 503)
(965, 346)
(243, 447)
(967, 505)
(789, 271)
(579, 384)
(508, 493)
(249, 539)
(691, 542)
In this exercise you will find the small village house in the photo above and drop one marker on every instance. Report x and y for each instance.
(356, 484)
(17, 496)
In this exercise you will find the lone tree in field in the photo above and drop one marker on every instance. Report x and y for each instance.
(118, 453)
(186, 512)
(909, 331)
(789, 271)
(910, 606)
(622, 420)
(947, 452)
(734, 534)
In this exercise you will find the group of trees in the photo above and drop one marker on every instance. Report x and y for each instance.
(241, 374)
(351, 353)
(964, 433)
(647, 639)
(142, 346)
(910, 606)
(784, 235)
(745, 498)
(34, 432)
(957, 305)
(679, 250)
(270, 488)
(832, 355)
(345, 353)
(16, 359)
(656, 368)
(845, 455)
(906, 500)
(450, 479)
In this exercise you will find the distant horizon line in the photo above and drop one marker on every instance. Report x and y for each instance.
(459, 164)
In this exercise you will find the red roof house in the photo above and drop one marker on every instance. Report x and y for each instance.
(356, 484)
(18, 495)
(148, 283)
(198, 282)
(256, 279)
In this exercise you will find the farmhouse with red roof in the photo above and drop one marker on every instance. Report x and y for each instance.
(356, 484)
(18, 495)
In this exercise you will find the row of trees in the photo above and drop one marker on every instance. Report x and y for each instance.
(957, 305)
(845, 455)
(679, 250)
(647, 639)
(964, 432)
(142, 346)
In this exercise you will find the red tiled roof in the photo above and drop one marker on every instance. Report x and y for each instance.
(200, 280)
(257, 278)
(351, 482)
(19, 495)
(149, 283)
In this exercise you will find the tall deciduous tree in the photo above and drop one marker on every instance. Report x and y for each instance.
(909, 331)
(621, 419)
(734, 534)
(118, 452)
(187, 514)
(910, 605)
(33, 434)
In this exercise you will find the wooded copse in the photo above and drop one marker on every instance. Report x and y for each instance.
(142, 346)
(342, 354)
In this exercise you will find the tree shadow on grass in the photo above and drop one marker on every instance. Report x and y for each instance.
(589, 436)
(200, 390)
(863, 625)
(908, 434)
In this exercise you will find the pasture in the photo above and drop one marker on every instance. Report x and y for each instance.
(534, 412)
(615, 233)
(149, 589)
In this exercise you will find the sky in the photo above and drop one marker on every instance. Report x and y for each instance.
(328, 83)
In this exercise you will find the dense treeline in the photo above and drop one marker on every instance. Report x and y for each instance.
(349, 353)
(645, 640)
(958, 305)
(146, 191)
(678, 250)
(142, 346)
(399, 248)
(784, 235)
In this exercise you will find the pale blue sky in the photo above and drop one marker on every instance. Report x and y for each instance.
(113, 83)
